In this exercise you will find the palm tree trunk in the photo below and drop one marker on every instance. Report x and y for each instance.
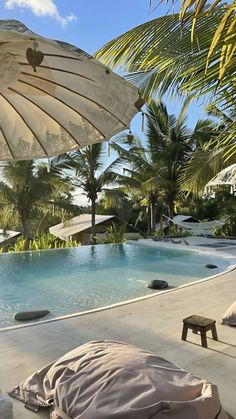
(93, 208)
(153, 217)
(171, 207)
(148, 222)
(26, 230)
(161, 225)
(171, 203)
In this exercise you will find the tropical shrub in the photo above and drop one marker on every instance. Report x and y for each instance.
(228, 229)
(46, 241)
(114, 234)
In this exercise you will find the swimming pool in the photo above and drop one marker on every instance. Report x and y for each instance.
(67, 281)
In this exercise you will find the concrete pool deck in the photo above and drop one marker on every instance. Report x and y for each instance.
(154, 324)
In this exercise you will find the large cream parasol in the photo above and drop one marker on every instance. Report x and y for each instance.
(55, 98)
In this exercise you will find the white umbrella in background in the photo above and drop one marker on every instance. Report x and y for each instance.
(55, 98)
(227, 177)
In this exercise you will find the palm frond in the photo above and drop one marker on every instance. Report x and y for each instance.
(160, 44)
(204, 164)
(114, 198)
(161, 57)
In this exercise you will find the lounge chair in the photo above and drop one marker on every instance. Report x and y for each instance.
(167, 239)
(176, 241)
(159, 239)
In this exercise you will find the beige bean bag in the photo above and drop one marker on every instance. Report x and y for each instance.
(113, 380)
(230, 315)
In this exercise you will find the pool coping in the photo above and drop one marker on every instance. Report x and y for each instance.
(145, 297)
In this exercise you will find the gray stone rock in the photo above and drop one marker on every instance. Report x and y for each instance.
(157, 284)
(30, 315)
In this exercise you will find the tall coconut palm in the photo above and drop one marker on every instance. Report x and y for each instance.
(91, 174)
(171, 143)
(143, 183)
(134, 187)
(24, 185)
(155, 165)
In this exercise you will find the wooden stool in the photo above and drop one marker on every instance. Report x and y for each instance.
(199, 324)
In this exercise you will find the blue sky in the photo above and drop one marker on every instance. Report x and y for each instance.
(88, 25)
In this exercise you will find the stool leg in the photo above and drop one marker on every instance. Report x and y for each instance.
(203, 339)
(184, 332)
(214, 332)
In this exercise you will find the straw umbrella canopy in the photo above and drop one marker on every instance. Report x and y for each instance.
(55, 97)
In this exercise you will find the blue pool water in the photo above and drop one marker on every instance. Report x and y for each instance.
(66, 281)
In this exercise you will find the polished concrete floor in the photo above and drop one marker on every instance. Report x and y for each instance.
(154, 324)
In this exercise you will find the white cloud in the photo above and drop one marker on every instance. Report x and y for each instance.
(41, 8)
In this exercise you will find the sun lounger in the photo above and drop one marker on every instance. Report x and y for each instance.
(176, 241)
(160, 239)
(167, 239)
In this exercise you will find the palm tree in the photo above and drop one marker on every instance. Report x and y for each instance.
(139, 185)
(142, 183)
(155, 166)
(161, 56)
(152, 168)
(91, 175)
(172, 143)
(132, 191)
(24, 186)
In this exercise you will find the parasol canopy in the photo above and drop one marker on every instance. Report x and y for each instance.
(54, 97)
(226, 177)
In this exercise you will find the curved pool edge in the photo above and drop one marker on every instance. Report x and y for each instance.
(230, 268)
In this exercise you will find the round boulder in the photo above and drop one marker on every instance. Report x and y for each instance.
(157, 284)
(210, 266)
(30, 315)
